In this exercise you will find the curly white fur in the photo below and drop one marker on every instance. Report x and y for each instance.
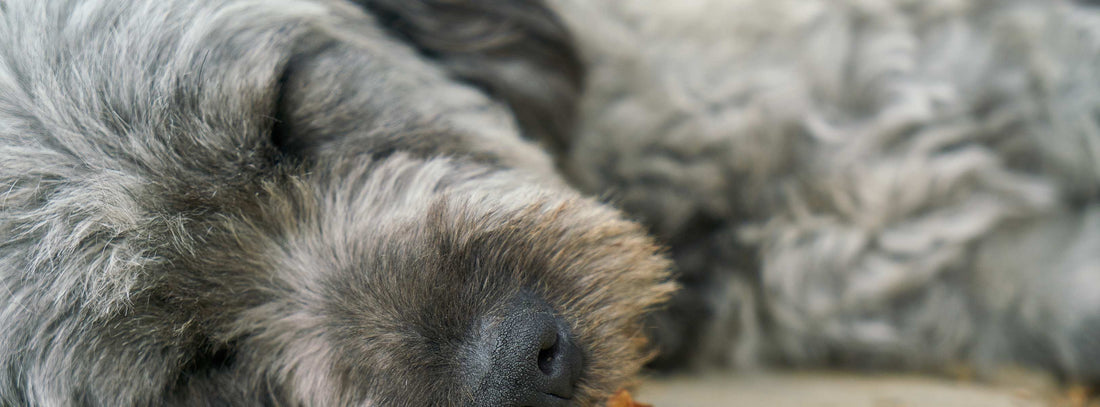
(914, 182)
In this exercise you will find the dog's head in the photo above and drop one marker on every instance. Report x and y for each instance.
(303, 202)
(398, 243)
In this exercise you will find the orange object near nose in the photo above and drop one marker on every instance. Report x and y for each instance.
(623, 399)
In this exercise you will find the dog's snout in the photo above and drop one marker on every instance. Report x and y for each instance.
(528, 358)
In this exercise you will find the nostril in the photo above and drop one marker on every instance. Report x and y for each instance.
(559, 362)
(547, 355)
(528, 357)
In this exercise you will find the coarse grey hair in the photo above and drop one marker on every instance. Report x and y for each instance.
(297, 202)
(328, 202)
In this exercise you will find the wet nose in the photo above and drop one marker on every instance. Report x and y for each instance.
(529, 359)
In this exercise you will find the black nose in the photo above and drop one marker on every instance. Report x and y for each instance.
(526, 359)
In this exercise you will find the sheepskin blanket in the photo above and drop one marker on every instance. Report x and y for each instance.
(867, 183)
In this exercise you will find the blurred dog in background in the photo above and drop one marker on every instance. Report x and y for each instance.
(856, 183)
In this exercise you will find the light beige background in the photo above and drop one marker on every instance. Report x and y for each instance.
(819, 389)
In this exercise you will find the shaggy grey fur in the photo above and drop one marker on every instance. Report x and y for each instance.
(864, 183)
(295, 202)
(281, 202)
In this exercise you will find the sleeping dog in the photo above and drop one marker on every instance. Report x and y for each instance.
(382, 202)
(304, 202)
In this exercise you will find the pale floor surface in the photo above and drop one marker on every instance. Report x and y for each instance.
(828, 389)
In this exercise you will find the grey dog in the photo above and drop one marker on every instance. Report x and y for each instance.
(872, 184)
(303, 202)
(324, 202)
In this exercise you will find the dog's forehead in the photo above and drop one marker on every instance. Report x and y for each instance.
(351, 77)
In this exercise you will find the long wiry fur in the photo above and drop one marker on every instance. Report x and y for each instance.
(862, 183)
(244, 202)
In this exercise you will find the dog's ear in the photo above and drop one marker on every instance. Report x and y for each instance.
(517, 51)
